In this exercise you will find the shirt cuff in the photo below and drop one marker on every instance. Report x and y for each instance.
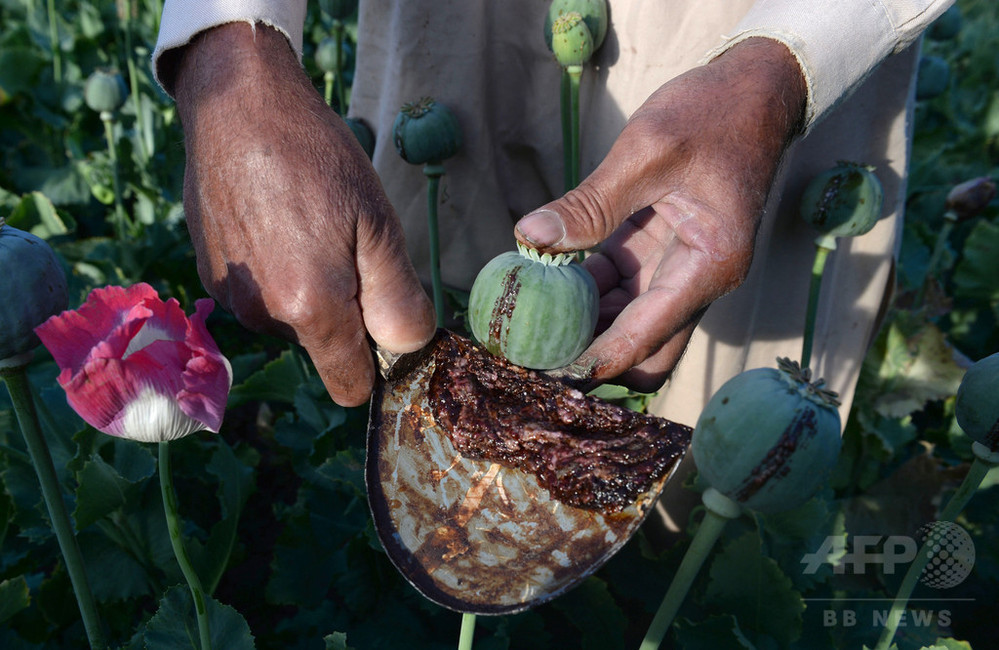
(182, 19)
(837, 44)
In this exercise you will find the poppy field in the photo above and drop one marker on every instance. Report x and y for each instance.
(247, 524)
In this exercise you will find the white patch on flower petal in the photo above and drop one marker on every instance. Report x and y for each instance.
(148, 334)
(154, 417)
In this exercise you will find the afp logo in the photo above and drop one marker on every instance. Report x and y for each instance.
(949, 548)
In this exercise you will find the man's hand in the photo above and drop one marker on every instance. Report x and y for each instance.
(676, 203)
(292, 229)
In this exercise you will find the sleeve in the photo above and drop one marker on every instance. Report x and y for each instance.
(838, 43)
(182, 19)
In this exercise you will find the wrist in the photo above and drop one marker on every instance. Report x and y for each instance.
(765, 69)
(223, 58)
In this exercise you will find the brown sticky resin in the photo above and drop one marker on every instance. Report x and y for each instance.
(586, 452)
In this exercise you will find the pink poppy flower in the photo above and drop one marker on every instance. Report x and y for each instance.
(137, 367)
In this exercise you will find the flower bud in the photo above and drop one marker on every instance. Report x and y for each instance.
(572, 42)
(844, 201)
(32, 288)
(970, 198)
(105, 92)
(426, 131)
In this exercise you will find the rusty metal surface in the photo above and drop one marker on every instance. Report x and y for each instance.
(469, 534)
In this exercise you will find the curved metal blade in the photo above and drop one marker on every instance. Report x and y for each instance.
(472, 535)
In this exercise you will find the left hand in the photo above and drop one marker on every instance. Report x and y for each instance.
(676, 202)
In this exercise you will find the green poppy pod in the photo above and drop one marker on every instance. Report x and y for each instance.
(32, 289)
(768, 438)
(594, 13)
(571, 40)
(326, 53)
(844, 201)
(932, 78)
(363, 134)
(977, 404)
(105, 92)
(426, 131)
(535, 310)
(947, 26)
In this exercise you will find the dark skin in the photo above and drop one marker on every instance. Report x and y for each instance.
(294, 234)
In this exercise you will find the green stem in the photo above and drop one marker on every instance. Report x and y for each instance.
(433, 172)
(938, 250)
(54, 43)
(823, 245)
(979, 468)
(27, 418)
(177, 541)
(718, 510)
(575, 75)
(145, 134)
(328, 91)
(157, 15)
(565, 105)
(467, 631)
(120, 220)
(341, 94)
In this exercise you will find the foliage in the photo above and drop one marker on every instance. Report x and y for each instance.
(275, 505)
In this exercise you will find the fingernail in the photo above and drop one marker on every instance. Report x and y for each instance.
(542, 228)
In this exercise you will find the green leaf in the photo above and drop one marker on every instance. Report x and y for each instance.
(19, 68)
(14, 596)
(336, 641)
(103, 487)
(591, 608)
(66, 185)
(236, 483)
(949, 644)
(115, 573)
(977, 274)
(30, 514)
(917, 368)
(278, 381)
(710, 634)
(175, 626)
(753, 588)
(101, 490)
(36, 214)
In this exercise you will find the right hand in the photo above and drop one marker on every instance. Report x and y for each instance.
(292, 230)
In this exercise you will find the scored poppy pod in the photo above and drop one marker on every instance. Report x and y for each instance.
(137, 367)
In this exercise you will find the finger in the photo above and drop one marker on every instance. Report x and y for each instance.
(631, 177)
(650, 375)
(395, 308)
(343, 358)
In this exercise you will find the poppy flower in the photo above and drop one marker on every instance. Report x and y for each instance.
(137, 367)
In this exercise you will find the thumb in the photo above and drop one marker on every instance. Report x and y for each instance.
(587, 215)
